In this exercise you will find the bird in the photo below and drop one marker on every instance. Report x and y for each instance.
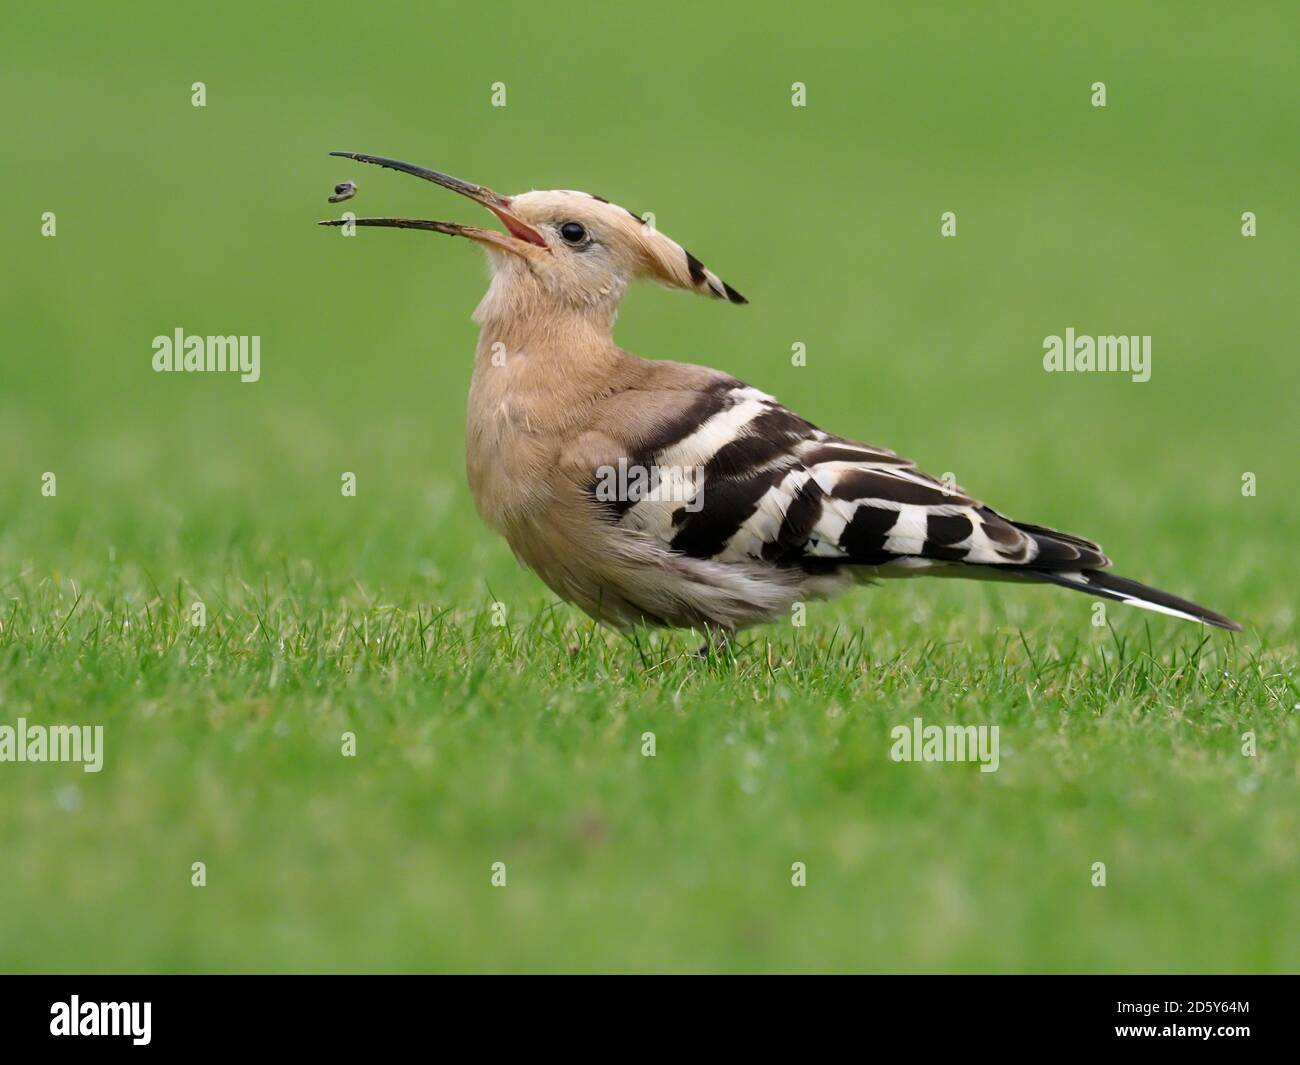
(659, 493)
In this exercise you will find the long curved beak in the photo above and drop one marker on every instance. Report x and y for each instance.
(522, 238)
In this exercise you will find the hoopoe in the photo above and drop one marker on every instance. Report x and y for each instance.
(774, 512)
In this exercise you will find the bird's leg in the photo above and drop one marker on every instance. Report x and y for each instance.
(716, 639)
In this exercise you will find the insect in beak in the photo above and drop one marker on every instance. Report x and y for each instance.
(522, 238)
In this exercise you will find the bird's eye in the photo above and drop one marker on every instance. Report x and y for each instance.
(573, 232)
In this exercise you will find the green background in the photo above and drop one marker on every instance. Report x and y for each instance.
(521, 744)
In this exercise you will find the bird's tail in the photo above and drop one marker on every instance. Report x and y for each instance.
(1123, 590)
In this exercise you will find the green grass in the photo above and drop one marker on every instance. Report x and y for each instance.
(522, 743)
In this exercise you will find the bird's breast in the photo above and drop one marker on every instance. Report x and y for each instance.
(509, 466)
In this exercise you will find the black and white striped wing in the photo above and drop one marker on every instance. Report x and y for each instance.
(740, 478)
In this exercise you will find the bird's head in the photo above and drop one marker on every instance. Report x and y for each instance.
(568, 247)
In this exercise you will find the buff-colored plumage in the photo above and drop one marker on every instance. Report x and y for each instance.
(778, 512)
